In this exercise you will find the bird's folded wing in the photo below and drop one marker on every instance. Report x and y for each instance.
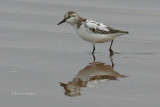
(100, 28)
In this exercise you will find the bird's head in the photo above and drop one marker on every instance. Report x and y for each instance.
(70, 17)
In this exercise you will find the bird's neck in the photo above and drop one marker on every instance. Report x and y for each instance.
(78, 23)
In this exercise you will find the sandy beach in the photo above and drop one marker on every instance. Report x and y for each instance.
(46, 65)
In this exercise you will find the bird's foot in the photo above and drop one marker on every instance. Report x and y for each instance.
(112, 52)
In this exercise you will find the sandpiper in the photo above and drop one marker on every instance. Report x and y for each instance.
(92, 31)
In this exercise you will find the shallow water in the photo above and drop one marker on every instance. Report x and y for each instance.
(38, 58)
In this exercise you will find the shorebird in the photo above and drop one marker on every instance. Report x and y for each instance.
(92, 31)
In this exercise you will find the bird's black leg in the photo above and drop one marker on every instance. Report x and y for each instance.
(111, 59)
(93, 49)
(94, 58)
(110, 49)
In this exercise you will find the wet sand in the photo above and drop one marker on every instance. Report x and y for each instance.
(38, 58)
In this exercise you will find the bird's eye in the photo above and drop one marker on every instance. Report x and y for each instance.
(69, 16)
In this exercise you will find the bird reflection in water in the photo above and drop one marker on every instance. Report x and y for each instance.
(95, 71)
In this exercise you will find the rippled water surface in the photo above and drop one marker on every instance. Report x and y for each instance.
(46, 65)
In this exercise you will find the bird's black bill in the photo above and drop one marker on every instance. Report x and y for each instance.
(62, 21)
